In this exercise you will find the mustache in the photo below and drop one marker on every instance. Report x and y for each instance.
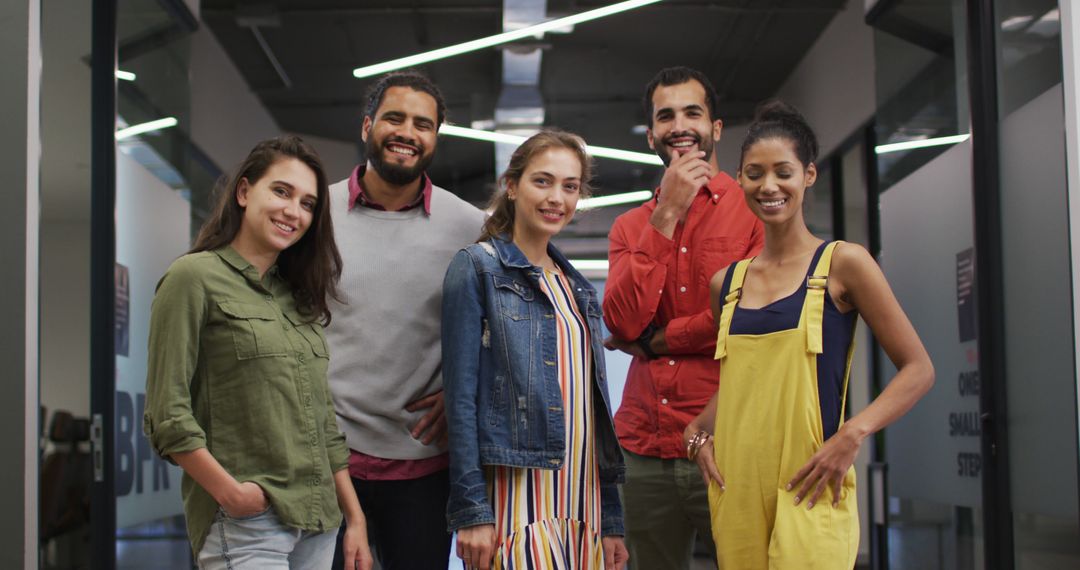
(403, 140)
(691, 134)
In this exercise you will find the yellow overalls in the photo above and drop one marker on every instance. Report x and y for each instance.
(768, 424)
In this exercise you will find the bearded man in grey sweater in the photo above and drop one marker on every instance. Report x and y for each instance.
(397, 233)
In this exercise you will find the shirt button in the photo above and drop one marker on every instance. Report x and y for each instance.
(715, 197)
(671, 363)
(682, 289)
(301, 360)
(269, 297)
(683, 249)
(664, 401)
(661, 291)
(316, 481)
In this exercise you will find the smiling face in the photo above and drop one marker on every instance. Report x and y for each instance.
(278, 207)
(774, 180)
(681, 121)
(546, 195)
(399, 140)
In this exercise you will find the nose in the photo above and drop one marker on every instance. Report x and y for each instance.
(292, 208)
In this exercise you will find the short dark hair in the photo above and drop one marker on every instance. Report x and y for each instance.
(677, 76)
(413, 80)
(312, 265)
(776, 119)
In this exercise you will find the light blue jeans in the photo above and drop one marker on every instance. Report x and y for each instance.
(262, 542)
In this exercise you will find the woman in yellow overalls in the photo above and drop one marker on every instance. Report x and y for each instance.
(781, 481)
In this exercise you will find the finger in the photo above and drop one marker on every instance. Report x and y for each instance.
(609, 556)
(425, 402)
(715, 474)
(437, 431)
(836, 488)
(807, 486)
(823, 483)
(799, 475)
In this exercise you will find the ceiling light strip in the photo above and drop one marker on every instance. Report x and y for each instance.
(614, 199)
(145, 128)
(125, 75)
(598, 151)
(923, 143)
(497, 39)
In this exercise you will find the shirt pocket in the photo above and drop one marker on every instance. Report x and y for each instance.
(513, 297)
(312, 333)
(717, 253)
(256, 330)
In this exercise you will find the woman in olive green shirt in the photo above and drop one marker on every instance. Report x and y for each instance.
(236, 379)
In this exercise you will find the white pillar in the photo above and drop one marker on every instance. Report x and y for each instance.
(1070, 56)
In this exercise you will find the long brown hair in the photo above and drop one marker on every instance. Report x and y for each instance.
(312, 265)
(501, 220)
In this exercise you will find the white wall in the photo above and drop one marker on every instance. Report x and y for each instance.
(833, 86)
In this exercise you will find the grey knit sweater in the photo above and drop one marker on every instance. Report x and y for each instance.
(384, 339)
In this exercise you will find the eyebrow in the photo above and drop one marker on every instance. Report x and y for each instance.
(545, 173)
(283, 183)
(690, 107)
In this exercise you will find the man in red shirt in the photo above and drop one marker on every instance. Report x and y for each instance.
(662, 256)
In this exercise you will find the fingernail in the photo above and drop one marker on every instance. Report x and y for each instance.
(797, 500)
(723, 488)
(809, 505)
(788, 487)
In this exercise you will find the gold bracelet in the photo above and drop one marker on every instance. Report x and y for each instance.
(697, 441)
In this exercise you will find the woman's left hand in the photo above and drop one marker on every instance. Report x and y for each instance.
(827, 468)
(615, 554)
(357, 551)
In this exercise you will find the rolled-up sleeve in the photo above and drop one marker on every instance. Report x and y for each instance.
(635, 285)
(177, 317)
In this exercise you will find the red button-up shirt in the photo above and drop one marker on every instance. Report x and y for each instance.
(653, 279)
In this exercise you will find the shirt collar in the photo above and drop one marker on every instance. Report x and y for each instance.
(237, 262)
(358, 197)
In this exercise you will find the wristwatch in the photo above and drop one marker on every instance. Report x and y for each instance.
(644, 341)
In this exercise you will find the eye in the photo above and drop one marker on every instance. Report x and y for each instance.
(424, 126)
(573, 188)
(280, 191)
(541, 181)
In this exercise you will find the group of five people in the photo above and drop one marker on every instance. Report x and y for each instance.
(467, 389)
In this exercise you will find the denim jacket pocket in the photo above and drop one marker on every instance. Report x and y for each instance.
(513, 297)
(498, 400)
(256, 330)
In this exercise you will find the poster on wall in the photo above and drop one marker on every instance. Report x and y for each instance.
(152, 222)
(934, 452)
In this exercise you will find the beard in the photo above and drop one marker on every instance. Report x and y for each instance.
(396, 174)
(704, 144)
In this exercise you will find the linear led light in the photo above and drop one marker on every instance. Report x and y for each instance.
(125, 75)
(923, 143)
(590, 264)
(601, 151)
(497, 39)
(614, 199)
(145, 128)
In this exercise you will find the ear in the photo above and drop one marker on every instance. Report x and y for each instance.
(649, 137)
(811, 174)
(242, 191)
(511, 190)
(717, 128)
(365, 130)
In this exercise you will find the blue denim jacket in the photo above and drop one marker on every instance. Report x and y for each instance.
(503, 399)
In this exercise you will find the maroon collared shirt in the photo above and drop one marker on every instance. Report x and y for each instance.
(358, 196)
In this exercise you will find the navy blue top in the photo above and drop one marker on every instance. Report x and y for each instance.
(837, 331)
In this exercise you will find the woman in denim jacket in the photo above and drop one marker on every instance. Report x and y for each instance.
(534, 461)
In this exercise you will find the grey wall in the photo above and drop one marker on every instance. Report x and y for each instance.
(833, 85)
(20, 57)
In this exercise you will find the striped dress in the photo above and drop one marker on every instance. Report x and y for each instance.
(545, 519)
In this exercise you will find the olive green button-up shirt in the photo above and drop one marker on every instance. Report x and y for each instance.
(233, 367)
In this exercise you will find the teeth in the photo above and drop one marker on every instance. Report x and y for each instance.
(682, 144)
(773, 203)
(284, 227)
(403, 151)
